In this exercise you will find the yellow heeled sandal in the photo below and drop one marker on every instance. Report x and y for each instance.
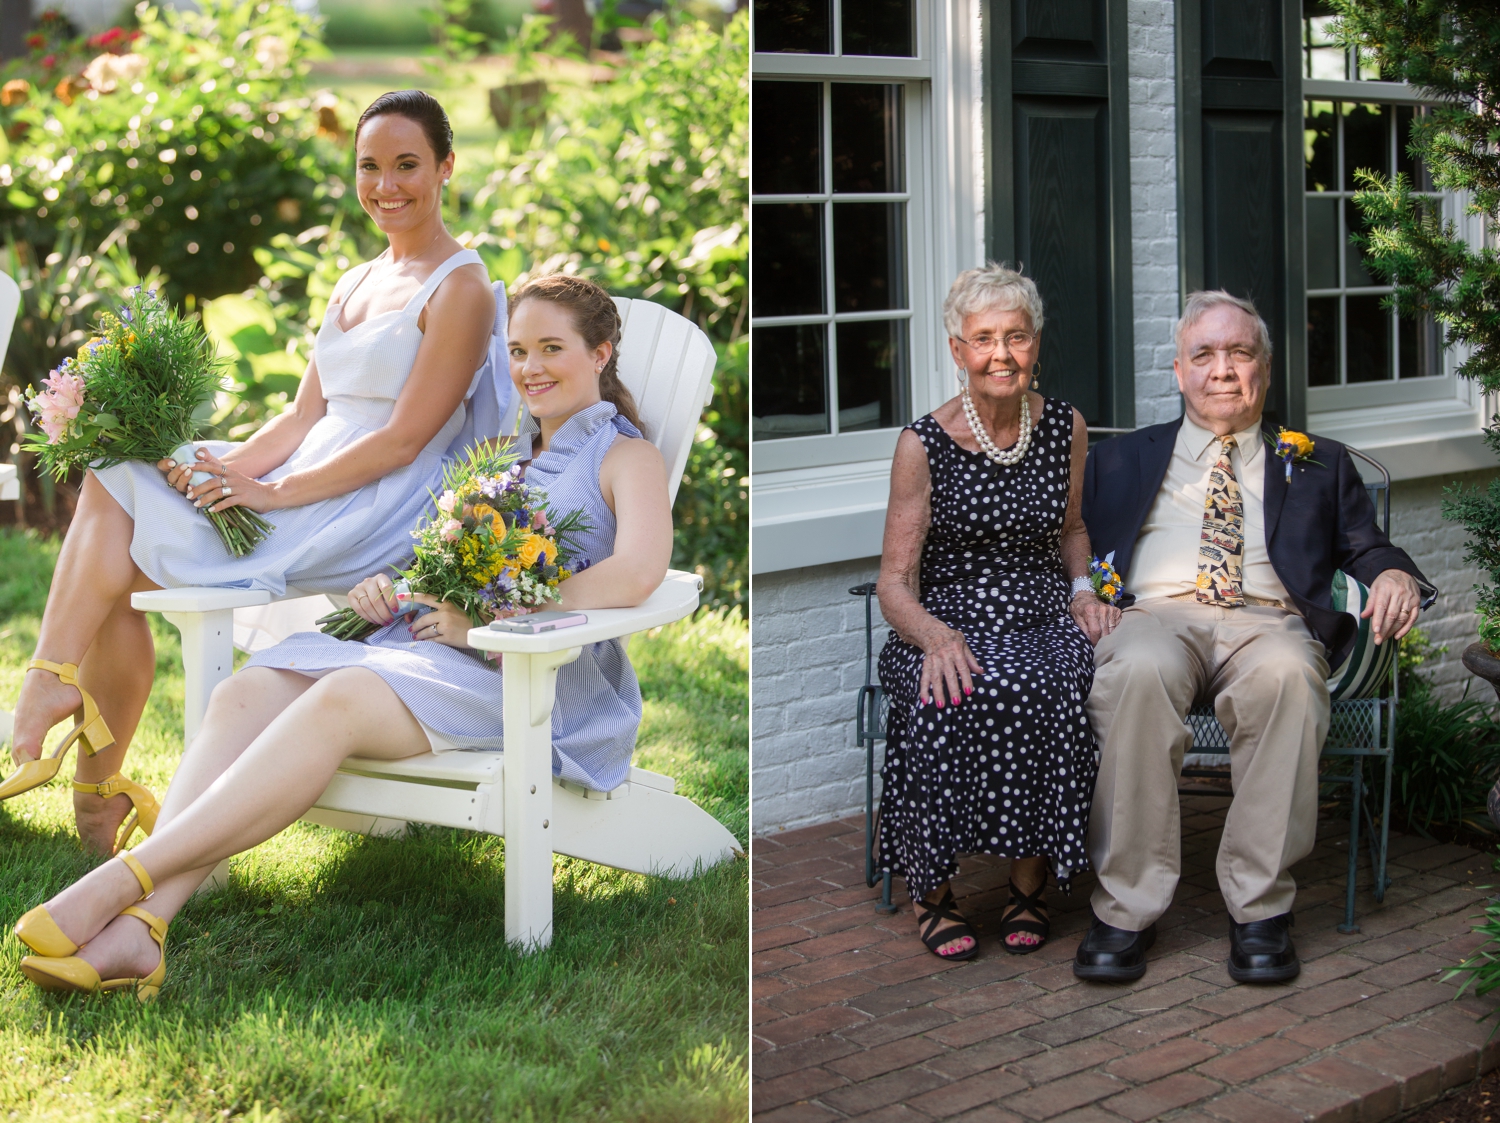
(91, 732)
(146, 808)
(38, 931)
(78, 976)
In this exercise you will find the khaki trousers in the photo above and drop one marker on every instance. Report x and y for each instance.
(1267, 678)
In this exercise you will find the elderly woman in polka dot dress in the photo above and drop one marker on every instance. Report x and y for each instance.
(990, 657)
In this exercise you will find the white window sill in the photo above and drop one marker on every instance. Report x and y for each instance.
(817, 516)
(835, 513)
(1414, 440)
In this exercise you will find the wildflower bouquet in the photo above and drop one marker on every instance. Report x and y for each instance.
(141, 389)
(490, 546)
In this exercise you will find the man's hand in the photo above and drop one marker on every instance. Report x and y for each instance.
(1093, 617)
(1394, 604)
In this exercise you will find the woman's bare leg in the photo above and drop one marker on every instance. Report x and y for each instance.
(265, 787)
(117, 671)
(94, 575)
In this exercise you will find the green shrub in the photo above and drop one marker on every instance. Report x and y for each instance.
(642, 184)
(1447, 755)
(199, 135)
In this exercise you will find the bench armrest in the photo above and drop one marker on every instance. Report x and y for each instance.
(674, 598)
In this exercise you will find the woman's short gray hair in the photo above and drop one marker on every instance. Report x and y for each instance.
(994, 285)
(1200, 304)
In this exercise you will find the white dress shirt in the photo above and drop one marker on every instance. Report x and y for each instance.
(1165, 563)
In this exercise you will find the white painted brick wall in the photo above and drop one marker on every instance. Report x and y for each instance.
(1153, 205)
(1417, 526)
(808, 663)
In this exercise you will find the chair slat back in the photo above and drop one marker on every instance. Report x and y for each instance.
(10, 304)
(667, 364)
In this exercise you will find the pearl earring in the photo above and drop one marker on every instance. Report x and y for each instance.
(963, 376)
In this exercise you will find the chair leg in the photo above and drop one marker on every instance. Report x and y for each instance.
(1382, 879)
(885, 905)
(1356, 799)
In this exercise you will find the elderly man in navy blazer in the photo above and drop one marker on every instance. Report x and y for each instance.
(1227, 563)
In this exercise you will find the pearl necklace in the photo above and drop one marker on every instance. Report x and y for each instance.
(1017, 452)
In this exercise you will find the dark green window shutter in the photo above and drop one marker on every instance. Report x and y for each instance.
(1239, 120)
(1060, 188)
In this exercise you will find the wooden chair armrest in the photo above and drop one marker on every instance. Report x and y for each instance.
(675, 598)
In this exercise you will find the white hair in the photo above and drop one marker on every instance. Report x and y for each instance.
(1200, 304)
(995, 285)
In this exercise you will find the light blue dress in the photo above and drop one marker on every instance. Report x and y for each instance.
(456, 694)
(331, 545)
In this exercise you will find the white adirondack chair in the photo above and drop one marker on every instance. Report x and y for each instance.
(640, 826)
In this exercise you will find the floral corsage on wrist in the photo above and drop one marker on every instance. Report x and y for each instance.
(1292, 448)
(1105, 579)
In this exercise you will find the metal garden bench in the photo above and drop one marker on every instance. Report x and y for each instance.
(1359, 730)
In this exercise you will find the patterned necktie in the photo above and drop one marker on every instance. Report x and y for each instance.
(1221, 551)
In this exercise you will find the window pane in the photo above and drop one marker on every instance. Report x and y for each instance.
(1415, 170)
(1322, 243)
(869, 256)
(788, 385)
(1357, 273)
(1369, 337)
(788, 122)
(872, 373)
(866, 137)
(1418, 347)
(801, 26)
(1369, 66)
(1367, 141)
(786, 259)
(1322, 57)
(878, 27)
(1323, 341)
(1320, 146)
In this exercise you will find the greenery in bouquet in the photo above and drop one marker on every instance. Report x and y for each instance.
(196, 129)
(490, 545)
(139, 389)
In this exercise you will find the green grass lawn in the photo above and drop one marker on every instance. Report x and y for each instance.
(350, 978)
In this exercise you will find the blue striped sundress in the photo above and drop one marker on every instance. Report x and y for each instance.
(456, 694)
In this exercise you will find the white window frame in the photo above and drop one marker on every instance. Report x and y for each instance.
(822, 499)
(1416, 426)
(914, 76)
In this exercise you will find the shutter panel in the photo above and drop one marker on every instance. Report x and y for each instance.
(1239, 172)
(1061, 189)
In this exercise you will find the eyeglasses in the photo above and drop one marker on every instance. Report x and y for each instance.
(984, 345)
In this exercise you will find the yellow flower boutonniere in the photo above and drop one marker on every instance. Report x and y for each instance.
(1292, 447)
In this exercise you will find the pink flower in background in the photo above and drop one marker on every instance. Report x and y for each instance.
(58, 404)
(453, 530)
(446, 501)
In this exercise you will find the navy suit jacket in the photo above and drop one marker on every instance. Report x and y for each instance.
(1320, 522)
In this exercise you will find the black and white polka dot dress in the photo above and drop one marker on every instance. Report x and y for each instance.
(1010, 769)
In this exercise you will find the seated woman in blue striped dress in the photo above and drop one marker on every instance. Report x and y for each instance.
(276, 732)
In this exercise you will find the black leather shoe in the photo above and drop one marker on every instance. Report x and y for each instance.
(1112, 955)
(1262, 952)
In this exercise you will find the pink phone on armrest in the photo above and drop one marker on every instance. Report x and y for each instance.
(538, 622)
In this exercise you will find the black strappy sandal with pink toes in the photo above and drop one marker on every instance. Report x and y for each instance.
(1011, 924)
(929, 916)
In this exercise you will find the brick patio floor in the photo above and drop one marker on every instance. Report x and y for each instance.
(854, 1018)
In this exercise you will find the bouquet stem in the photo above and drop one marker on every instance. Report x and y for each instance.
(240, 529)
(346, 624)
